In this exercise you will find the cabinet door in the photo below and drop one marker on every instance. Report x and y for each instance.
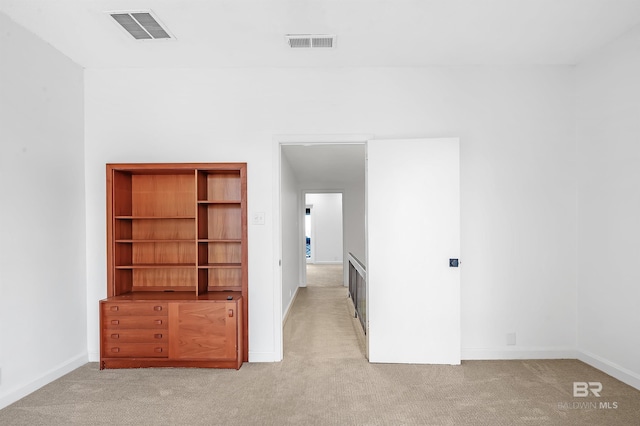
(203, 331)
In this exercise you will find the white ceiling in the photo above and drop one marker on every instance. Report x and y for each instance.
(324, 167)
(250, 33)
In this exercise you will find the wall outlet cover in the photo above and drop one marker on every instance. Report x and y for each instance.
(257, 218)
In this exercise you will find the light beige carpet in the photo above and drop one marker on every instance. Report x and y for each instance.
(324, 275)
(325, 379)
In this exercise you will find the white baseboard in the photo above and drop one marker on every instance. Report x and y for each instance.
(262, 357)
(291, 302)
(614, 370)
(56, 372)
(94, 356)
(515, 352)
(328, 262)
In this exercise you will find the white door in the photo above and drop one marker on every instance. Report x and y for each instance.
(413, 230)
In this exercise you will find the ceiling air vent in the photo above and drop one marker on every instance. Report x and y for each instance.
(311, 41)
(141, 25)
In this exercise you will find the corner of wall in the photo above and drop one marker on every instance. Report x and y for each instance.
(56, 372)
(611, 368)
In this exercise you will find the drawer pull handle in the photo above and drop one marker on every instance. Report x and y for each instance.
(158, 350)
(115, 349)
(114, 308)
(158, 336)
(157, 308)
(115, 322)
(115, 336)
(158, 322)
(230, 313)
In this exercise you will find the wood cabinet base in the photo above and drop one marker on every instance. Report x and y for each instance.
(165, 330)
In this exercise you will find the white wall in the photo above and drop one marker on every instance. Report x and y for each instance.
(518, 207)
(608, 136)
(353, 201)
(292, 249)
(43, 333)
(517, 173)
(326, 222)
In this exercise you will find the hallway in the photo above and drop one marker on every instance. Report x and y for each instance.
(321, 323)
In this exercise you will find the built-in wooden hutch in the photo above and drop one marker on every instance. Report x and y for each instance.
(177, 284)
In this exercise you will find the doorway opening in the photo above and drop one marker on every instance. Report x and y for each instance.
(324, 242)
(322, 219)
(307, 235)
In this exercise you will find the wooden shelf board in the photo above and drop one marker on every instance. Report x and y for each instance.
(223, 290)
(153, 217)
(155, 241)
(219, 201)
(220, 266)
(158, 266)
(168, 291)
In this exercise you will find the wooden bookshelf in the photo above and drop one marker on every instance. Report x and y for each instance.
(176, 233)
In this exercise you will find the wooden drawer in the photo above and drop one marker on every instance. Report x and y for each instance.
(141, 350)
(115, 337)
(135, 309)
(129, 322)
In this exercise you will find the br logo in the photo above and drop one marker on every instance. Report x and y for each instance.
(582, 389)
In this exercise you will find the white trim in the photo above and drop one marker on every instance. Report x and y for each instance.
(356, 264)
(331, 139)
(503, 353)
(48, 377)
(288, 310)
(94, 356)
(611, 368)
(264, 357)
(329, 262)
(278, 344)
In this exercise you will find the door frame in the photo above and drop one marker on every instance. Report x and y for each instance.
(278, 142)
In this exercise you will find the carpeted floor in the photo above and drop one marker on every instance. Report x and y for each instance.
(324, 275)
(325, 379)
